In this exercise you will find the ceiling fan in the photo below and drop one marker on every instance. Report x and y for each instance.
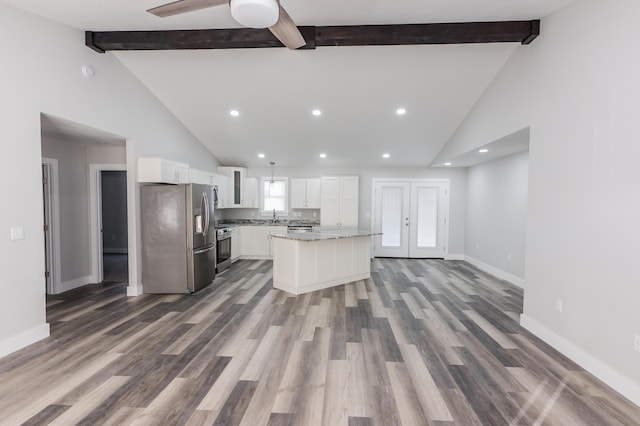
(250, 13)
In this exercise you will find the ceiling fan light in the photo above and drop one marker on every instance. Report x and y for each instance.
(255, 13)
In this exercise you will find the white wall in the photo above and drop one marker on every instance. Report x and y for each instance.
(577, 86)
(456, 176)
(497, 213)
(41, 72)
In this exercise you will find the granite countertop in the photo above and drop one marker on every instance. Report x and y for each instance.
(325, 234)
(263, 222)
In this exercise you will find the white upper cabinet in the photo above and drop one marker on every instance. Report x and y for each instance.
(305, 193)
(236, 184)
(222, 182)
(250, 198)
(339, 201)
(201, 176)
(159, 170)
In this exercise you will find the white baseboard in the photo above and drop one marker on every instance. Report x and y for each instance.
(610, 376)
(255, 257)
(135, 290)
(503, 275)
(75, 283)
(452, 256)
(23, 339)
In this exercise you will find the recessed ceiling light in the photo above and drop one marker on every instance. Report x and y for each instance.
(323, 155)
(385, 155)
(316, 112)
(447, 164)
(234, 113)
(483, 150)
(261, 155)
(401, 111)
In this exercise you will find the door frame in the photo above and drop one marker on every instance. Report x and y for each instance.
(95, 215)
(53, 212)
(447, 185)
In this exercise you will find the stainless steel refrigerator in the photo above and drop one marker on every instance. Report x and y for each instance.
(178, 238)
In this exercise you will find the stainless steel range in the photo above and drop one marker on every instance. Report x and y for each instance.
(223, 249)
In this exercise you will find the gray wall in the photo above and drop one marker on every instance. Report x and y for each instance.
(497, 213)
(577, 88)
(75, 253)
(113, 101)
(73, 180)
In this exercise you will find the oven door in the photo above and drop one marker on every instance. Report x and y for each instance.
(223, 253)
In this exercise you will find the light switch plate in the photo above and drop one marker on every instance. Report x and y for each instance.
(559, 306)
(17, 233)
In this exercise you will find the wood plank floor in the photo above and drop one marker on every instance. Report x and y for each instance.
(423, 342)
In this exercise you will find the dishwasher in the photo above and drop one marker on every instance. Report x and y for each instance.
(299, 229)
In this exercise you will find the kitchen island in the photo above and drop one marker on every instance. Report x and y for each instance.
(317, 260)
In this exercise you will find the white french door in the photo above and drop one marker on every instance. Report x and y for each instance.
(412, 217)
(392, 218)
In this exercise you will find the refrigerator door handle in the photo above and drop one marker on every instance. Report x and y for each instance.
(206, 199)
(204, 206)
(204, 250)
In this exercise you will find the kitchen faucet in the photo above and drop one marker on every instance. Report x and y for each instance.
(275, 218)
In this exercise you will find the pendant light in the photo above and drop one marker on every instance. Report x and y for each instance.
(272, 163)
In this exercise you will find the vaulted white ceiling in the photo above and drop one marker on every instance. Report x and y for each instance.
(358, 89)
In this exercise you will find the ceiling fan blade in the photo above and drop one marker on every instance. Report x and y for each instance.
(286, 31)
(183, 6)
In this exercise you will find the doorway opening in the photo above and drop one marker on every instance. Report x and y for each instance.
(108, 222)
(113, 209)
(411, 217)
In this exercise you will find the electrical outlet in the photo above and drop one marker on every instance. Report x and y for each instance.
(17, 233)
(559, 305)
(636, 343)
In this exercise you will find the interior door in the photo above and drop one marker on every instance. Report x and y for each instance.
(392, 219)
(412, 217)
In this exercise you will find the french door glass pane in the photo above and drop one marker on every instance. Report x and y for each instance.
(391, 220)
(427, 226)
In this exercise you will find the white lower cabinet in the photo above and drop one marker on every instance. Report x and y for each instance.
(235, 243)
(305, 266)
(255, 241)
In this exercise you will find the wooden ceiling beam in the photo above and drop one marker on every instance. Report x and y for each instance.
(353, 35)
